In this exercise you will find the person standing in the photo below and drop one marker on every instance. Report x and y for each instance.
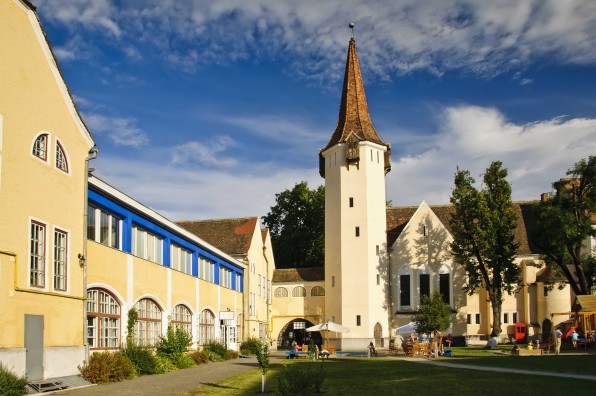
(574, 338)
(558, 336)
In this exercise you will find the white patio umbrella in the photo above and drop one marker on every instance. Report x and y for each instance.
(406, 329)
(327, 327)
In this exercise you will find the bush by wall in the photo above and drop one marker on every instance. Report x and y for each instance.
(248, 346)
(199, 357)
(107, 367)
(11, 384)
(142, 358)
(231, 354)
(216, 350)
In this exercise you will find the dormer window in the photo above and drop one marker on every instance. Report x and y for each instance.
(61, 162)
(40, 147)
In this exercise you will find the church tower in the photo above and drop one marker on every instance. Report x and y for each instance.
(354, 164)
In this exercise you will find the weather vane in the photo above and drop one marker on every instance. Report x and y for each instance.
(351, 26)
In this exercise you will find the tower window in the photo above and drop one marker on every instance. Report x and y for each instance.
(351, 202)
(357, 231)
(378, 250)
(378, 279)
(357, 320)
(333, 281)
(424, 230)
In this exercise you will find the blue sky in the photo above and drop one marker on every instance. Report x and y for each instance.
(207, 109)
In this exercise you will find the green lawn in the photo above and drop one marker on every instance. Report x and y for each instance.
(386, 376)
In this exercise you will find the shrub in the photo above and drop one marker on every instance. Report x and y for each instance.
(163, 364)
(231, 354)
(213, 356)
(199, 357)
(142, 358)
(216, 348)
(249, 346)
(182, 361)
(107, 367)
(301, 379)
(175, 342)
(11, 384)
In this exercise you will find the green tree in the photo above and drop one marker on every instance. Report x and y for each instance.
(434, 315)
(483, 227)
(565, 222)
(297, 226)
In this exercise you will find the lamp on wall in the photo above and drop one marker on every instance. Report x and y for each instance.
(81, 260)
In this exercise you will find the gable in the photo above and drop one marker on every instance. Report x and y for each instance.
(33, 68)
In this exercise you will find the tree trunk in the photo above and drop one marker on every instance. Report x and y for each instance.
(496, 307)
(263, 382)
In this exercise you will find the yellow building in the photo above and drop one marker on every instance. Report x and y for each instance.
(139, 259)
(44, 146)
(243, 239)
(298, 303)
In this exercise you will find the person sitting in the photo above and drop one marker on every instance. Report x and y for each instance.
(372, 350)
(292, 354)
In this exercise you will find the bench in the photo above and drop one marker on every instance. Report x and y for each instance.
(296, 354)
(528, 352)
(356, 353)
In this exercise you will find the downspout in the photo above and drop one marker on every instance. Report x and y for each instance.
(83, 257)
(268, 291)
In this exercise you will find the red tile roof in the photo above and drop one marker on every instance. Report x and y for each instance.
(232, 236)
(312, 274)
(398, 217)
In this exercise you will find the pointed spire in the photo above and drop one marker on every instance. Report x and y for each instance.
(353, 111)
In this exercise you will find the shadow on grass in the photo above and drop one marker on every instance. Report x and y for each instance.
(397, 377)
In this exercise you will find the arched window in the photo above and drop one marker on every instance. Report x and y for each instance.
(405, 287)
(103, 320)
(182, 318)
(280, 292)
(424, 285)
(148, 325)
(61, 162)
(40, 147)
(299, 291)
(444, 285)
(206, 326)
(317, 291)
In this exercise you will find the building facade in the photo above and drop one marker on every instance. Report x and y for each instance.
(44, 148)
(139, 259)
(243, 239)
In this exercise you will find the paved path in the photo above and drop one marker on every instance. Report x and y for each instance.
(503, 370)
(176, 382)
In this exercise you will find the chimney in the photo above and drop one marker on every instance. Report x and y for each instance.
(543, 197)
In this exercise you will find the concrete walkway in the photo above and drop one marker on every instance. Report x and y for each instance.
(502, 369)
(173, 383)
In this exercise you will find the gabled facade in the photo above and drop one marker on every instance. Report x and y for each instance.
(139, 259)
(44, 147)
(243, 239)
(421, 262)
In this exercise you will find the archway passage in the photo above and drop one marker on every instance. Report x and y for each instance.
(546, 330)
(295, 330)
(378, 332)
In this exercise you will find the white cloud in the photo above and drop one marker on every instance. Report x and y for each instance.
(485, 38)
(536, 154)
(121, 131)
(182, 193)
(209, 153)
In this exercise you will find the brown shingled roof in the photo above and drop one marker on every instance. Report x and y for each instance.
(585, 303)
(299, 275)
(398, 217)
(233, 236)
